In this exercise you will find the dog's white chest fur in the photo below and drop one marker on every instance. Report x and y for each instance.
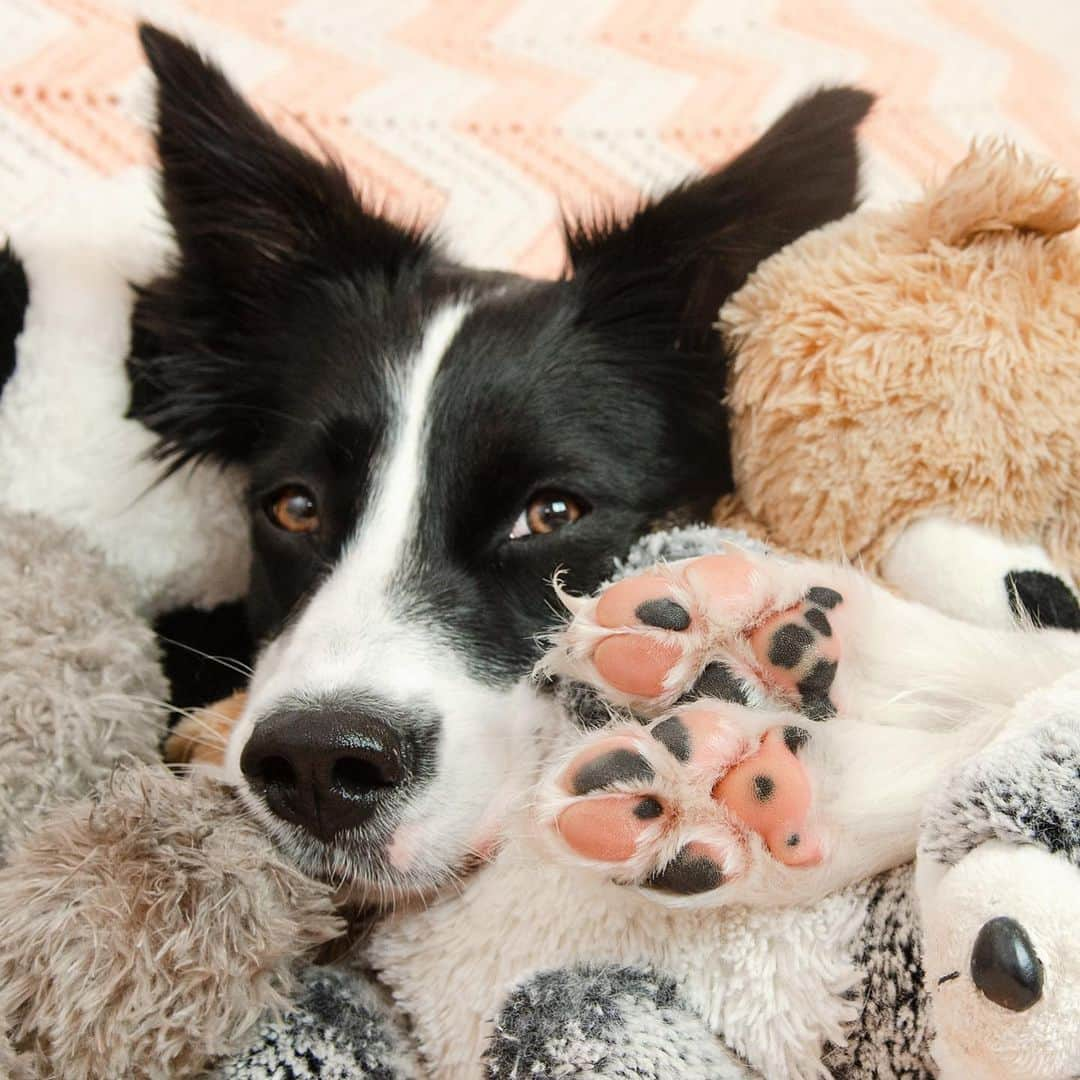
(771, 980)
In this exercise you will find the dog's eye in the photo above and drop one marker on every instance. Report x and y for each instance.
(546, 512)
(293, 509)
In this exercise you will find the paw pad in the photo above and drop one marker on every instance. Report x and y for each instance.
(728, 627)
(674, 806)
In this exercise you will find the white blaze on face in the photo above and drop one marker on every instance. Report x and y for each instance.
(350, 638)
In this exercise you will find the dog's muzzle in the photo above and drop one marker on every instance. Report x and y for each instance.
(331, 770)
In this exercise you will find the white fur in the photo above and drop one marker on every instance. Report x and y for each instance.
(771, 981)
(380, 545)
(66, 450)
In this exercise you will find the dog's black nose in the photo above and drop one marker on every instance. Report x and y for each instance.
(327, 771)
(1005, 966)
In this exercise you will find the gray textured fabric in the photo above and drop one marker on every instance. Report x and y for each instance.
(683, 543)
(342, 1027)
(1022, 791)
(80, 683)
(891, 1039)
(605, 1021)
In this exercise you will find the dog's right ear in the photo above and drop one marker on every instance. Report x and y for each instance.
(249, 207)
(257, 221)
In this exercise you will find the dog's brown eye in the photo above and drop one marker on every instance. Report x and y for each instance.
(546, 512)
(293, 509)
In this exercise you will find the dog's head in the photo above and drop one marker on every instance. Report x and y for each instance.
(428, 445)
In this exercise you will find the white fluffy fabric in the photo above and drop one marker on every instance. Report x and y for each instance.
(960, 569)
(771, 981)
(66, 450)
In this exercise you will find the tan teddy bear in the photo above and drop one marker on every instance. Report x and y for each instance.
(906, 393)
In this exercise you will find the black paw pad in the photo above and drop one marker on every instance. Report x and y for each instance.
(764, 788)
(817, 708)
(648, 808)
(717, 680)
(817, 618)
(614, 767)
(795, 738)
(687, 874)
(814, 690)
(672, 733)
(788, 645)
(824, 597)
(664, 614)
(1043, 598)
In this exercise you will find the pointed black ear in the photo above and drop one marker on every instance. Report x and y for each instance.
(259, 224)
(245, 202)
(668, 269)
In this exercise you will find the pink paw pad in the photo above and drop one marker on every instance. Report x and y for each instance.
(638, 665)
(674, 811)
(686, 613)
(607, 827)
(770, 793)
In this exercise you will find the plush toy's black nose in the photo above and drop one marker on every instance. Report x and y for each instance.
(328, 771)
(1004, 965)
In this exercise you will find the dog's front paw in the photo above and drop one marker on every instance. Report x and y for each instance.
(688, 804)
(740, 627)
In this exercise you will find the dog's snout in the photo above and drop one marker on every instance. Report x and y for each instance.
(328, 771)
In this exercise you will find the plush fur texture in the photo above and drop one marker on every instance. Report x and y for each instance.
(1002, 839)
(80, 683)
(343, 1025)
(177, 931)
(605, 1021)
(917, 363)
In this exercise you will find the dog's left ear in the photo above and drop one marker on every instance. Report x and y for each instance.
(664, 273)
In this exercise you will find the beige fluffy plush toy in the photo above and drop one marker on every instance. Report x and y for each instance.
(906, 393)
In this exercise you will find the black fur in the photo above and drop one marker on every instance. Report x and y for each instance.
(204, 653)
(14, 299)
(267, 342)
(1044, 598)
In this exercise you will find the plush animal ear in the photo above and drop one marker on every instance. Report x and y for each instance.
(667, 270)
(258, 221)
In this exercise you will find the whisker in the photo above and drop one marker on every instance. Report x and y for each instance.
(225, 661)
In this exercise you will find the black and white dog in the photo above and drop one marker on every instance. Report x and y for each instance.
(428, 444)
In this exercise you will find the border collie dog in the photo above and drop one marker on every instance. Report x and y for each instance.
(428, 444)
